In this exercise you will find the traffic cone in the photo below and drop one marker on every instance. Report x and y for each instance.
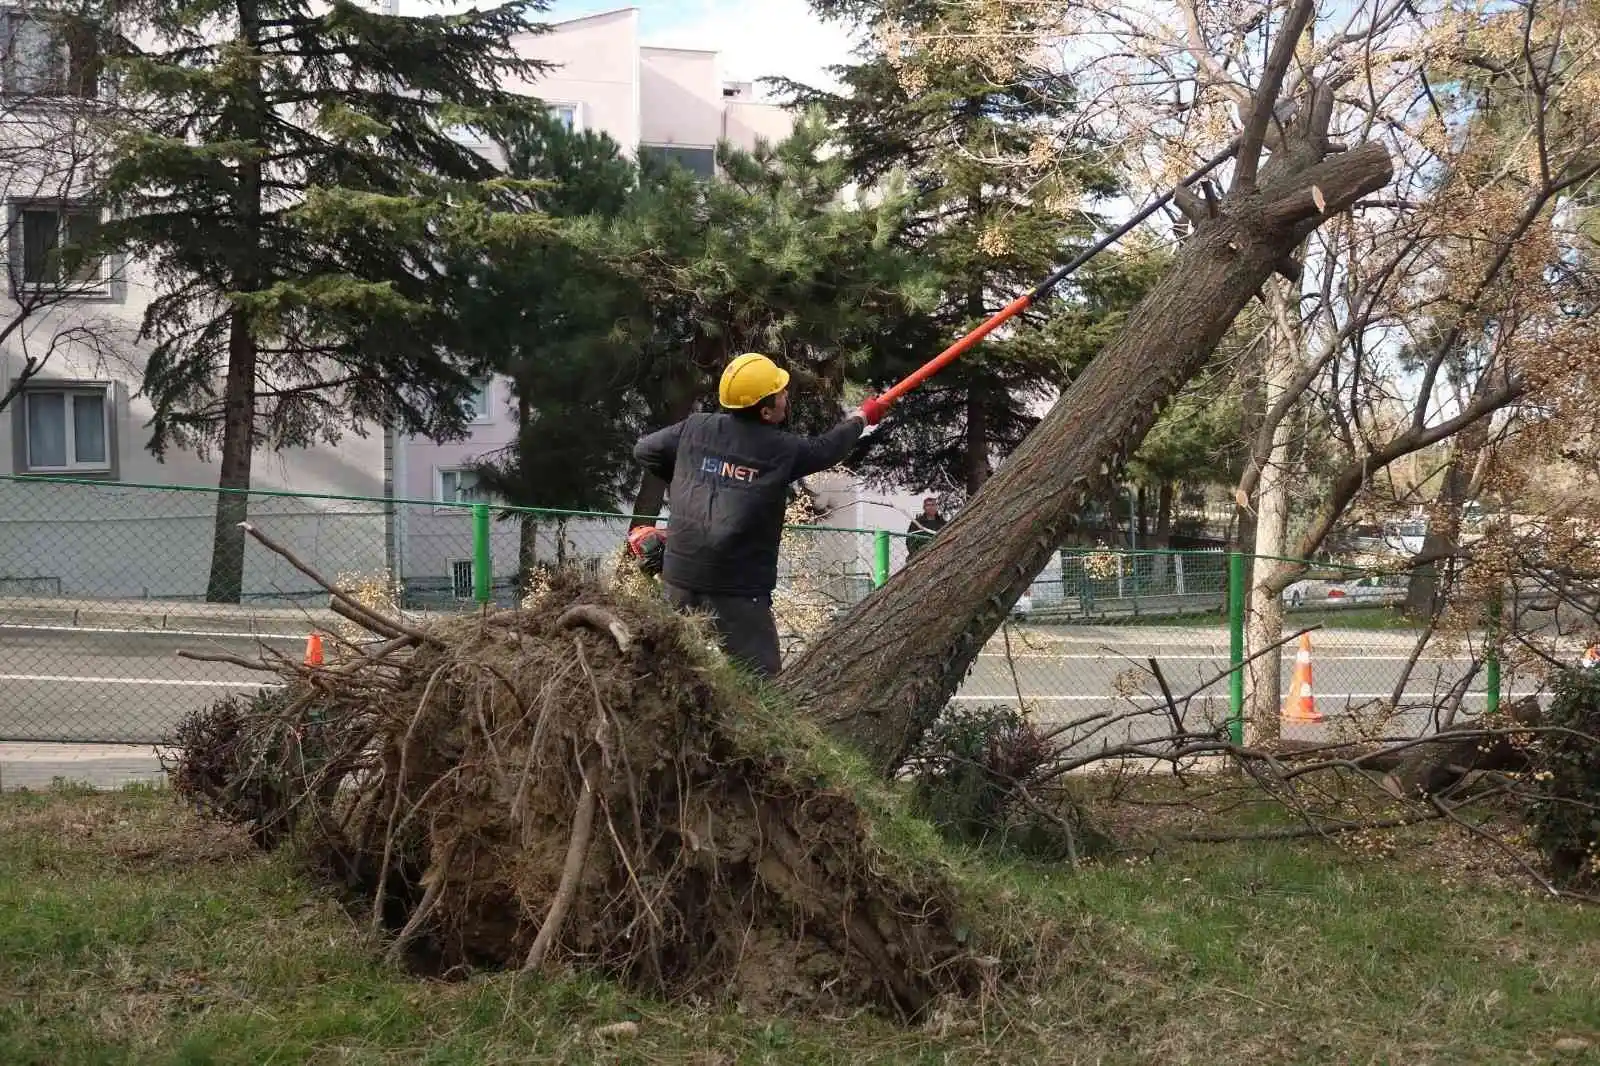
(314, 649)
(1301, 705)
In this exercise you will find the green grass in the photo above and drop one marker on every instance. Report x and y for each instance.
(131, 933)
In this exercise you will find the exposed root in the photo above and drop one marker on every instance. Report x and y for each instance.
(571, 871)
(585, 783)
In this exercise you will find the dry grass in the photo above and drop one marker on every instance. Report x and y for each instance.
(130, 932)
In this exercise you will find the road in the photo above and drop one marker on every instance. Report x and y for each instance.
(65, 683)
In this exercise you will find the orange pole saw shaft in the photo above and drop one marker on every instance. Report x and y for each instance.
(1040, 291)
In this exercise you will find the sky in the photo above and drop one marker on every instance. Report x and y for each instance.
(756, 38)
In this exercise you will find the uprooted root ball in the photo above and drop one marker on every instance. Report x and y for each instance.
(580, 782)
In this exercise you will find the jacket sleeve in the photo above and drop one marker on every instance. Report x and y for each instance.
(658, 452)
(817, 454)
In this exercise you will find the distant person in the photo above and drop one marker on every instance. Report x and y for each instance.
(924, 526)
(729, 475)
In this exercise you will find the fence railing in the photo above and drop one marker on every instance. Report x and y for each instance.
(101, 583)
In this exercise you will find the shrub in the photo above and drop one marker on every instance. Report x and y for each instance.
(1564, 817)
(969, 776)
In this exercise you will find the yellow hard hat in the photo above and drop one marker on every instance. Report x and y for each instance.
(749, 379)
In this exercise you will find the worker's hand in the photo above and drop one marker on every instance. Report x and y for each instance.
(872, 410)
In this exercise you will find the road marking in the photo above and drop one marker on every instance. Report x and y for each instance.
(97, 631)
(1207, 658)
(67, 678)
(1330, 696)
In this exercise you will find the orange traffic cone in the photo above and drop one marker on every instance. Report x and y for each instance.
(1301, 705)
(314, 649)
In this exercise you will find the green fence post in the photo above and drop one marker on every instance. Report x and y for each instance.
(482, 561)
(1236, 646)
(880, 558)
(1491, 665)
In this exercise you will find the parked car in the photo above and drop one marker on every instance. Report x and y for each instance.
(1366, 591)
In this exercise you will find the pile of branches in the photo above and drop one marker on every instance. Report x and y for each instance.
(583, 783)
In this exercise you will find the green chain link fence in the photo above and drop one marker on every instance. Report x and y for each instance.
(101, 583)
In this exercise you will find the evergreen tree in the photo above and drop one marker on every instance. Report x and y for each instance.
(998, 204)
(547, 309)
(1198, 440)
(291, 189)
(767, 257)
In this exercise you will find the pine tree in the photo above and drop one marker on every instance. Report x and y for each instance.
(767, 257)
(546, 308)
(291, 189)
(997, 205)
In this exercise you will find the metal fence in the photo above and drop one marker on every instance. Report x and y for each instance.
(101, 583)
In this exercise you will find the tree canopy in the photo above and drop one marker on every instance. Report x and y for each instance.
(292, 174)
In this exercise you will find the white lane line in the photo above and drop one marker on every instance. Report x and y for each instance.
(1221, 656)
(1010, 697)
(176, 682)
(99, 631)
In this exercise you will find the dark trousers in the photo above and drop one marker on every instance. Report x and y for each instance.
(744, 626)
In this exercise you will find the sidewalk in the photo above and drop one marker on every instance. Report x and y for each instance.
(35, 766)
(162, 615)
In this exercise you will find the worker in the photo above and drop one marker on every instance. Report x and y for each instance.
(924, 526)
(729, 474)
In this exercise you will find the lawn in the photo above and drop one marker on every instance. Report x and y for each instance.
(130, 932)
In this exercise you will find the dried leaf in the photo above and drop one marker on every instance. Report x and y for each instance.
(1317, 198)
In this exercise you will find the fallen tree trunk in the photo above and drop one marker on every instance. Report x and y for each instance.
(882, 674)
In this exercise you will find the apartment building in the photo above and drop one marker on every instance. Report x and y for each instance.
(71, 366)
(669, 103)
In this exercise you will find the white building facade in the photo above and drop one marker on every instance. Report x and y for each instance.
(668, 102)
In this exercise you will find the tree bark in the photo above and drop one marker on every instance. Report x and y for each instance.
(527, 552)
(226, 581)
(977, 443)
(1442, 540)
(1264, 620)
(1164, 513)
(881, 676)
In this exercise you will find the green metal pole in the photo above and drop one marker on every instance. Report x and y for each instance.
(1236, 646)
(880, 558)
(482, 562)
(1491, 667)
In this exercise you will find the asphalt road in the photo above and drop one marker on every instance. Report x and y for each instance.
(70, 684)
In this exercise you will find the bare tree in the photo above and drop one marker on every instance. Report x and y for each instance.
(930, 627)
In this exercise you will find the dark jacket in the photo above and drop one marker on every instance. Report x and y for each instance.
(921, 530)
(729, 481)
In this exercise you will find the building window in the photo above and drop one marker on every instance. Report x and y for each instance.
(460, 486)
(701, 162)
(567, 115)
(55, 239)
(479, 404)
(66, 429)
(461, 584)
(48, 56)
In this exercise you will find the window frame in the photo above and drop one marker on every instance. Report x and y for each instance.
(485, 391)
(444, 505)
(715, 165)
(22, 451)
(575, 106)
(99, 287)
(456, 567)
(62, 87)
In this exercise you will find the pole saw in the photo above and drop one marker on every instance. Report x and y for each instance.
(1041, 290)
